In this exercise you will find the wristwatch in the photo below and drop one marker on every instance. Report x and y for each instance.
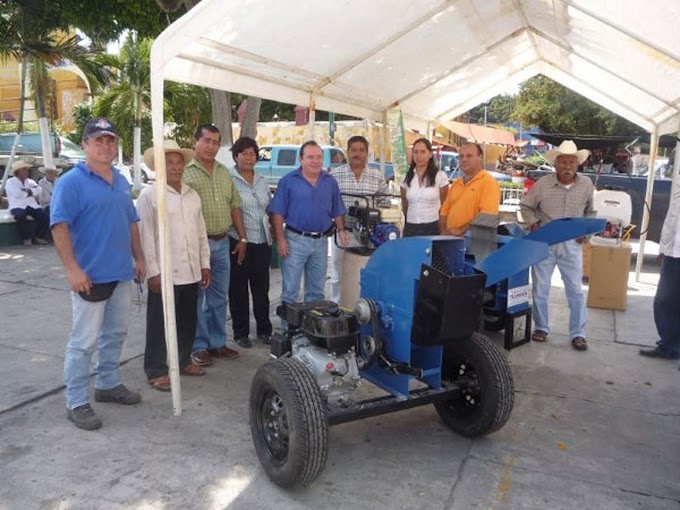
(243, 240)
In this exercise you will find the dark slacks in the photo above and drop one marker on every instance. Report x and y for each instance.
(42, 221)
(156, 354)
(421, 229)
(254, 272)
(666, 303)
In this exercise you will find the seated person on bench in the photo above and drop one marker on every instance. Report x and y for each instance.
(23, 195)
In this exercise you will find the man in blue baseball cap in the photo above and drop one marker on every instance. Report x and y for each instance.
(94, 226)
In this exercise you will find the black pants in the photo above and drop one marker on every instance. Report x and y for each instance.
(254, 272)
(156, 353)
(42, 220)
(421, 229)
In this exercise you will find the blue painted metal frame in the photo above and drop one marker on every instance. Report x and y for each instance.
(391, 277)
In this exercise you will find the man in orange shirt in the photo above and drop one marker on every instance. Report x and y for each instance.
(476, 191)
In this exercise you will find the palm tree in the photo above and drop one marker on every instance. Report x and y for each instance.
(37, 48)
(129, 98)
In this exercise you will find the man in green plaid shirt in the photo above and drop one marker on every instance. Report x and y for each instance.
(221, 208)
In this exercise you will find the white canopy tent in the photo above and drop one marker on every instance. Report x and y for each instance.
(434, 59)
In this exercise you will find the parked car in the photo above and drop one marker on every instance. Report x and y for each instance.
(389, 169)
(71, 153)
(29, 148)
(275, 161)
(499, 176)
(447, 161)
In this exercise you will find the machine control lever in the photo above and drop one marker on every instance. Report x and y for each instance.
(400, 367)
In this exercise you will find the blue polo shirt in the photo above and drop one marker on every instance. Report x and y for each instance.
(306, 207)
(98, 215)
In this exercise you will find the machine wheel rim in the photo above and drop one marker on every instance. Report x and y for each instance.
(471, 394)
(274, 426)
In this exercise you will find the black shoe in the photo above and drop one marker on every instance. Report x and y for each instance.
(84, 418)
(120, 395)
(244, 342)
(265, 339)
(658, 353)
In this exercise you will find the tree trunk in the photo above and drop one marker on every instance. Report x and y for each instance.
(221, 114)
(137, 146)
(251, 117)
(220, 100)
(22, 96)
(40, 82)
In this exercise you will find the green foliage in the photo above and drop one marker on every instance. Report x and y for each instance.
(81, 114)
(187, 106)
(536, 158)
(510, 185)
(498, 110)
(106, 20)
(554, 108)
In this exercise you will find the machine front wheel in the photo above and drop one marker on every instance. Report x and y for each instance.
(288, 423)
(485, 403)
(492, 323)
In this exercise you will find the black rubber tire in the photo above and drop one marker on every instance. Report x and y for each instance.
(288, 423)
(494, 325)
(487, 400)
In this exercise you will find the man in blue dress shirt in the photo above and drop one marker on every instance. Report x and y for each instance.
(308, 201)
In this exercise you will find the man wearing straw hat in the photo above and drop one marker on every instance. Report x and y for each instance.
(23, 195)
(562, 195)
(190, 264)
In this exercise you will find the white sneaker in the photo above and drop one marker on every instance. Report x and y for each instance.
(28, 242)
(40, 241)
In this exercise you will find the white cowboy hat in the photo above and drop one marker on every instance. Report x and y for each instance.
(567, 148)
(18, 165)
(168, 146)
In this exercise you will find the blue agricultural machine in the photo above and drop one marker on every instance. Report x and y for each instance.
(414, 333)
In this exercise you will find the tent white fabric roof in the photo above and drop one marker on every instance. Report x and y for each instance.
(433, 58)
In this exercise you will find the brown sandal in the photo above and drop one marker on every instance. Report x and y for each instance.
(192, 369)
(579, 343)
(539, 336)
(161, 383)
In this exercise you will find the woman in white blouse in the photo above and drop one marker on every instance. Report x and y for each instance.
(423, 192)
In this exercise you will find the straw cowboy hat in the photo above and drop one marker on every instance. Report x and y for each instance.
(18, 165)
(567, 148)
(168, 146)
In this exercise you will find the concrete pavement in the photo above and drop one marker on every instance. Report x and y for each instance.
(599, 429)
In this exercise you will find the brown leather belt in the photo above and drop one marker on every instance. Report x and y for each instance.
(217, 237)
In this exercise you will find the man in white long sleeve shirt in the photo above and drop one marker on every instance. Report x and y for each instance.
(190, 254)
(47, 184)
(667, 296)
(23, 195)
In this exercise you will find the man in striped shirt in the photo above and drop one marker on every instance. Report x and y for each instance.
(562, 195)
(355, 179)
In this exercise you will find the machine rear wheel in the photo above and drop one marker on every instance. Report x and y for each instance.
(488, 393)
(288, 423)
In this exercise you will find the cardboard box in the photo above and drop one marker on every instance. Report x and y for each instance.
(608, 281)
(586, 261)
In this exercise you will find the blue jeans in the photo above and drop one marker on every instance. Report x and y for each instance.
(666, 316)
(211, 327)
(568, 256)
(102, 326)
(305, 256)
